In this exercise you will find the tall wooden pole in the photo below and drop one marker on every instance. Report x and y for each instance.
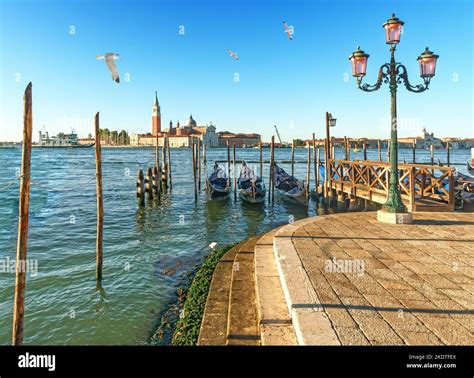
(447, 154)
(270, 173)
(293, 157)
(318, 163)
(379, 151)
(100, 205)
(365, 150)
(165, 168)
(346, 148)
(157, 153)
(23, 212)
(169, 164)
(414, 151)
(228, 161)
(194, 168)
(315, 166)
(199, 163)
(204, 153)
(273, 168)
(308, 169)
(261, 159)
(235, 173)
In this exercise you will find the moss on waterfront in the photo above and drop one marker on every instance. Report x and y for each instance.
(187, 327)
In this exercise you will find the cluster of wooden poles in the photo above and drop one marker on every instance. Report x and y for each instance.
(23, 214)
(157, 179)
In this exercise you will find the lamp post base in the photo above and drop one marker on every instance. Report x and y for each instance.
(394, 218)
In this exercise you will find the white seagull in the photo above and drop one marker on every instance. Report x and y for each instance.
(109, 60)
(288, 30)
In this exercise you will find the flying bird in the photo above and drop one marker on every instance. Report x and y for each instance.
(288, 30)
(109, 60)
(233, 54)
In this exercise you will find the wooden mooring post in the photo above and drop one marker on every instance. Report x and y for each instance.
(235, 172)
(23, 213)
(293, 157)
(364, 145)
(228, 160)
(100, 205)
(199, 163)
(164, 170)
(141, 188)
(379, 151)
(194, 169)
(169, 165)
(261, 160)
(204, 153)
(149, 184)
(315, 166)
(346, 149)
(447, 154)
(414, 151)
(318, 163)
(308, 169)
(156, 182)
(270, 175)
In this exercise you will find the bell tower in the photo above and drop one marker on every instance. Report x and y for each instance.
(156, 117)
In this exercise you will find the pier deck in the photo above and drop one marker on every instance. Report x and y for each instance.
(347, 279)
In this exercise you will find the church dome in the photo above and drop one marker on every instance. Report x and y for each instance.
(191, 121)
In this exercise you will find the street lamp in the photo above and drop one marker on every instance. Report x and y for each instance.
(393, 73)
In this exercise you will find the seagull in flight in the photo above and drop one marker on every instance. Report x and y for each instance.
(233, 54)
(288, 30)
(109, 60)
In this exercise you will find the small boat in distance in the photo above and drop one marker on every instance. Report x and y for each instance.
(217, 184)
(251, 187)
(289, 186)
(60, 141)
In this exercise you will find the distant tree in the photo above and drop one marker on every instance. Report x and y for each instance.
(113, 137)
(123, 137)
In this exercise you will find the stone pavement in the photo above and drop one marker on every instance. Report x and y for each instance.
(354, 281)
(347, 279)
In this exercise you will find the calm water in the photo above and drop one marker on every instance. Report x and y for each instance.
(147, 251)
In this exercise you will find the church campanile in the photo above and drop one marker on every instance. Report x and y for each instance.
(156, 117)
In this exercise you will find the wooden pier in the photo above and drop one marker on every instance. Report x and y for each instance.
(422, 187)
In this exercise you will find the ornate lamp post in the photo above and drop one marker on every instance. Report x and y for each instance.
(393, 73)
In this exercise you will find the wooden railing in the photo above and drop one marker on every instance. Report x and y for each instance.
(418, 183)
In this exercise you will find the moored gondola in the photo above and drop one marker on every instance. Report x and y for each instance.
(289, 186)
(217, 184)
(470, 169)
(251, 187)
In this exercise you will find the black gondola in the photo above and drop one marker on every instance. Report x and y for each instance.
(470, 169)
(217, 184)
(289, 186)
(251, 187)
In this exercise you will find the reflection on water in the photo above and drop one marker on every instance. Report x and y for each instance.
(147, 250)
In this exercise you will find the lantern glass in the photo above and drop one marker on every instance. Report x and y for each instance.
(393, 30)
(332, 121)
(427, 62)
(359, 63)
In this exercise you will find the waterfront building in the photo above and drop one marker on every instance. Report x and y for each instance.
(242, 140)
(422, 142)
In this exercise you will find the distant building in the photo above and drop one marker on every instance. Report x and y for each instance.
(422, 142)
(179, 136)
(247, 140)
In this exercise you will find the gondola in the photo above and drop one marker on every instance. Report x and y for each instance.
(251, 187)
(289, 186)
(470, 169)
(217, 184)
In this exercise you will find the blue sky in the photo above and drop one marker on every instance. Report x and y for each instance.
(287, 83)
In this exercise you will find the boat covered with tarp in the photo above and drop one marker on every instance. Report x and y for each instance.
(251, 187)
(288, 185)
(217, 184)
